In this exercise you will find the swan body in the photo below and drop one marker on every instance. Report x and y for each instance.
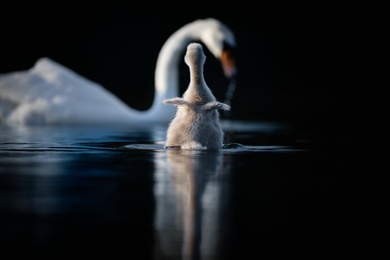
(196, 124)
(50, 93)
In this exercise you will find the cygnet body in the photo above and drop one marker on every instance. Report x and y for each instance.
(196, 124)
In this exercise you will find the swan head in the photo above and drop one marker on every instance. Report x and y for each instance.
(220, 40)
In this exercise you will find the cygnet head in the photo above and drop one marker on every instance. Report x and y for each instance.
(195, 55)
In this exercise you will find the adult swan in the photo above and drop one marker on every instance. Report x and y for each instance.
(49, 93)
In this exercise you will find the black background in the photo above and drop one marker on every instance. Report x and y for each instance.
(300, 64)
(306, 65)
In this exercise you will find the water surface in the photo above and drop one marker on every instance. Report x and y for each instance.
(114, 191)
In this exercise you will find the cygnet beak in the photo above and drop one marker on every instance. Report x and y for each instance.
(228, 64)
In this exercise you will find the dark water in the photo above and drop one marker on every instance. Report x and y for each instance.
(114, 192)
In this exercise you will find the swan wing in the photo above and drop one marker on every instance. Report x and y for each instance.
(215, 105)
(52, 93)
(175, 101)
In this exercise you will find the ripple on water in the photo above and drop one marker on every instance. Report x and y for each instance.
(227, 148)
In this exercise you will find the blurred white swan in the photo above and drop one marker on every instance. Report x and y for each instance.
(196, 124)
(50, 93)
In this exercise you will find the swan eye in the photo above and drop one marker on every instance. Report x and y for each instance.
(229, 47)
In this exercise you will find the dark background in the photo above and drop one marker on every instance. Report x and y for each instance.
(305, 65)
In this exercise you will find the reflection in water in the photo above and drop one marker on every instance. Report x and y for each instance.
(192, 195)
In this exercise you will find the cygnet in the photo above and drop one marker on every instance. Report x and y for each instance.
(196, 125)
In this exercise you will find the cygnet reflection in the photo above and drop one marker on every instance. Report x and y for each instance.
(192, 216)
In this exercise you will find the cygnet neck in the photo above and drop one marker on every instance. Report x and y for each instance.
(198, 91)
(196, 74)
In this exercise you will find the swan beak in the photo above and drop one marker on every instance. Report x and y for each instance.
(228, 64)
